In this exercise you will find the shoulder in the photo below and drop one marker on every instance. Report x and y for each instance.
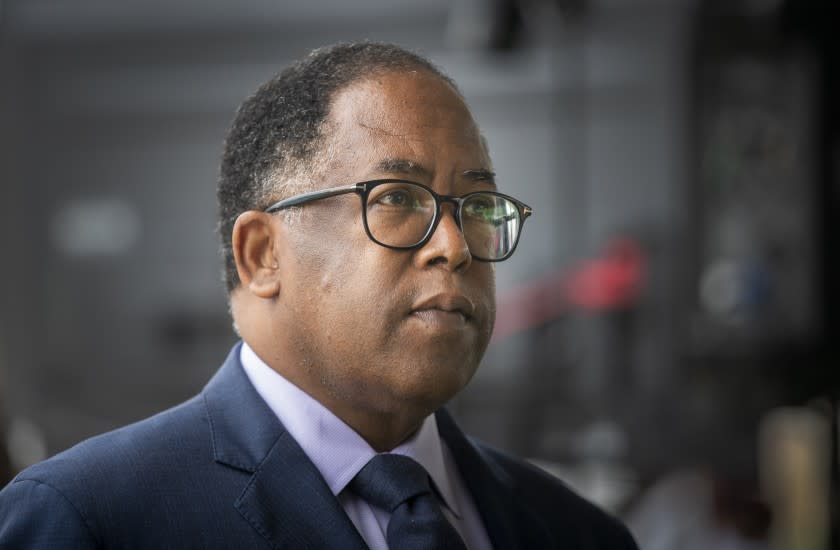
(146, 445)
(38, 515)
(74, 493)
(559, 508)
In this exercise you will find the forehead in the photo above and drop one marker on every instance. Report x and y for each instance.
(412, 115)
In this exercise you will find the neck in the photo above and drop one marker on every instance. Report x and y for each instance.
(384, 425)
(383, 432)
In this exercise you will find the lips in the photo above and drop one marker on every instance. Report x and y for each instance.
(445, 310)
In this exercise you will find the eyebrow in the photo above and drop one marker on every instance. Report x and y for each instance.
(481, 174)
(412, 168)
(403, 166)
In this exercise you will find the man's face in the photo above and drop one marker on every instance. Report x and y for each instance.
(380, 329)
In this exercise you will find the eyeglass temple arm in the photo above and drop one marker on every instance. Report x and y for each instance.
(311, 196)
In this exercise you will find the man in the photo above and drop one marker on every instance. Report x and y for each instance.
(359, 223)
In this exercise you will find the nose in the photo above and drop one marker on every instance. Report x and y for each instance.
(447, 248)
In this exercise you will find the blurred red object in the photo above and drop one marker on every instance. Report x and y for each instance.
(612, 281)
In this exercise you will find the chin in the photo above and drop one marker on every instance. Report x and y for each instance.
(439, 383)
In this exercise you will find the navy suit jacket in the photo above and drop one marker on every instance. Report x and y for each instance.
(220, 471)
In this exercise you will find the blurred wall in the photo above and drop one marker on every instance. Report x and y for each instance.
(117, 115)
(650, 137)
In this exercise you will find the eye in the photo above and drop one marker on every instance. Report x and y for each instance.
(403, 197)
(481, 207)
(395, 197)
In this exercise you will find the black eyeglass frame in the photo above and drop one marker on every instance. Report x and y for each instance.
(364, 188)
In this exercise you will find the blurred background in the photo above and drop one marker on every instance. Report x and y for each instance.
(665, 331)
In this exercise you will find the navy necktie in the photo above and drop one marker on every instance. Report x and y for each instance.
(400, 485)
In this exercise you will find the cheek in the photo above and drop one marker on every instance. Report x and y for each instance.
(484, 282)
(329, 245)
(342, 270)
(351, 282)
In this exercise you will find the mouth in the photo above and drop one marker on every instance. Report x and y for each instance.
(444, 311)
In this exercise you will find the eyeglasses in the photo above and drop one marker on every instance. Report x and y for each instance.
(403, 215)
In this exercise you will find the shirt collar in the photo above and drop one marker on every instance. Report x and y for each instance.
(334, 447)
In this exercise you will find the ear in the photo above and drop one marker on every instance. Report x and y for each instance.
(254, 243)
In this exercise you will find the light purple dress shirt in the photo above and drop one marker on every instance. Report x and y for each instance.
(339, 453)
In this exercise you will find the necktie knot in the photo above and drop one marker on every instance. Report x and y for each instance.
(389, 480)
(400, 485)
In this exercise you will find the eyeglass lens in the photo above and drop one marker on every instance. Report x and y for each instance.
(401, 214)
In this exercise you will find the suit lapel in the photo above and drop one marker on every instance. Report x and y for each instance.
(290, 504)
(286, 499)
(508, 524)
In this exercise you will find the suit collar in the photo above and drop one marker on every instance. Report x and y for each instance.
(494, 492)
(286, 500)
(242, 426)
